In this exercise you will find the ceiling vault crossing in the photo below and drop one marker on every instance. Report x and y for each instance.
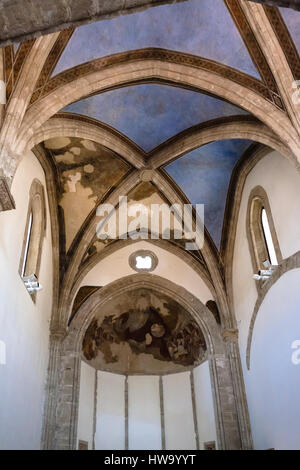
(58, 116)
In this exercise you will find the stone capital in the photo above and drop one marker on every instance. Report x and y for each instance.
(230, 335)
(57, 334)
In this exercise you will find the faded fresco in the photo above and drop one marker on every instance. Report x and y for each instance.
(86, 170)
(143, 332)
(139, 201)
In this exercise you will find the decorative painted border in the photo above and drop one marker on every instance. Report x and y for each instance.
(155, 54)
(14, 63)
(252, 44)
(285, 39)
(52, 61)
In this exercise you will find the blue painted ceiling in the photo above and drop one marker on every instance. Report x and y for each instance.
(201, 27)
(150, 114)
(292, 20)
(204, 176)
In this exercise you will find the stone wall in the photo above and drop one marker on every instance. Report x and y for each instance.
(40, 17)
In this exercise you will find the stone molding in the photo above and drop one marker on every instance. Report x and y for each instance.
(71, 125)
(256, 240)
(230, 335)
(242, 127)
(154, 53)
(172, 72)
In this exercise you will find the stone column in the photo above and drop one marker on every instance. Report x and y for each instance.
(52, 386)
(228, 432)
(67, 396)
(230, 337)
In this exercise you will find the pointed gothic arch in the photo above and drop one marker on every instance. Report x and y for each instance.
(60, 427)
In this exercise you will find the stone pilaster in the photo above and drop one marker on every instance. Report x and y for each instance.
(230, 337)
(227, 424)
(67, 395)
(49, 422)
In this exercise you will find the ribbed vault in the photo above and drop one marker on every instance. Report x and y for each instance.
(37, 95)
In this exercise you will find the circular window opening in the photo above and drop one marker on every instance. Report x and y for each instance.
(143, 260)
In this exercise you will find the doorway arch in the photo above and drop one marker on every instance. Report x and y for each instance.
(64, 430)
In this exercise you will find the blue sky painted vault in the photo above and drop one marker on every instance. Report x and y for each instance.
(292, 20)
(204, 175)
(200, 27)
(150, 114)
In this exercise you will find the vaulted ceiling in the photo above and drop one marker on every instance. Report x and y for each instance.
(180, 93)
(151, 114)
(206, 30)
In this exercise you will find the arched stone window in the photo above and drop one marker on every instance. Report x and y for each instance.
(33, 238)
(262, 237)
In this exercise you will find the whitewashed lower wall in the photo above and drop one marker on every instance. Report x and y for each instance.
(110, 429)
(144, 423)
(178, 411)
(136, 421)
(204, 405)
(273, 382)
(85, 430)
(24, 325)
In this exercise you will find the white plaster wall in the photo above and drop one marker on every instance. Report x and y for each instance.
(204, 405)
(144, 411)
(178, 412)
(144, 423)
(24, 326)
(85, 429)
(281, 182)
(271, 380)
(169, 267)
(110, 427)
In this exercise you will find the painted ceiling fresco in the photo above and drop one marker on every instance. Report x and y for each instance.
(292, 20)
(203, 28)
(143, 332)
(86, 170)
(139, 201)
(150, 114)
(204, 175)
